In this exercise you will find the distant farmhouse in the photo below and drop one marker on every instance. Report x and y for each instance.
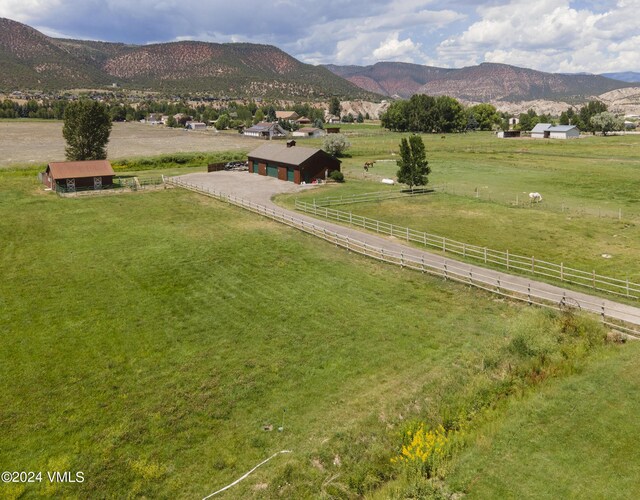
(308, 132)
(290, 116)
(289, 162)
(548, 131)
(265, 130)
(303, 120)
(71, 175)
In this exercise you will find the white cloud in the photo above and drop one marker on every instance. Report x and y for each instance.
(551, 35)
(548, 35)
(394, 49)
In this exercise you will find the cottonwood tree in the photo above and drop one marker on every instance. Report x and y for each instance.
(87, 126)
(606, 122)
(413, 165)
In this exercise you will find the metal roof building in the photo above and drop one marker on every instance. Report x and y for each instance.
(289, 162)
(548, 131)
(70, 175)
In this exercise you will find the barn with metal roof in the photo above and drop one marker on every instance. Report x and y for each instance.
(289, 162)
(548, 131)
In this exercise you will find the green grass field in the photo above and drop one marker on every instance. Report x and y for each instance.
(595, 175)
(147, 338)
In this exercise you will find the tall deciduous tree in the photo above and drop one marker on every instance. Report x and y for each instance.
(413, 165)
(87, 126)
(606, 122)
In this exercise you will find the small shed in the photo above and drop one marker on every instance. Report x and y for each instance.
(196, 126)
(71, 175)
(508, 134)
(308, 132)
(292, 163)
(332, 130)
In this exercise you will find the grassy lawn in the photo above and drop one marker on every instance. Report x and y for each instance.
(147, 339)
(590, 177)
(572, 439)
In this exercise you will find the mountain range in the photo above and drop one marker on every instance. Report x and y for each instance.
(482, 83)
(30, 60)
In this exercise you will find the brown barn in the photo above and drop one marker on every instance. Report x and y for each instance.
(71, 175)
(289, 162)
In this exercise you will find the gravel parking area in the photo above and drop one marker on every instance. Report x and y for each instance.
(253, 187)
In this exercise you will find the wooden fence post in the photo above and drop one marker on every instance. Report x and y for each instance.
(422, 259)
(507, 259)
(485, 255)
(529, 293)
(533, 264)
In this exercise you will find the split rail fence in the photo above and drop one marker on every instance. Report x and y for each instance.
(506, 260)
(614, 317)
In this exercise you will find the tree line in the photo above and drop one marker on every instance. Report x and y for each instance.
(440, 114)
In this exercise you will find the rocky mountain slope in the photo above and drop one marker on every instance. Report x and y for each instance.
(32, 60)
(482, 83)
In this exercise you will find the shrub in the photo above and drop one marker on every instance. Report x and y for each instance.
(336, 144)
(337, 176)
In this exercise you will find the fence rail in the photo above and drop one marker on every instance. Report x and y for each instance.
(370, 197)
(506, 260)
(120, 184)
(623, 320)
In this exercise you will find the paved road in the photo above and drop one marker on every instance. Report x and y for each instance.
(260, 189)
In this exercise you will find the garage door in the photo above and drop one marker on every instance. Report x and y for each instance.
(290, 174)
(272, 170)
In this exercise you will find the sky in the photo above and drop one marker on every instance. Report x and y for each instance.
(594, 36)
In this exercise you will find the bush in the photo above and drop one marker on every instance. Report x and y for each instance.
(336, 144)
(337, 176)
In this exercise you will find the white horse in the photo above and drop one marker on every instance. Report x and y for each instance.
(535, 197)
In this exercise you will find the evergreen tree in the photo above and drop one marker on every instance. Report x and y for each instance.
(334, 107)
(413, 165)
(87, 126)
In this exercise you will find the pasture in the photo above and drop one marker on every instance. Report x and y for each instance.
(150, 339)
(595, 179)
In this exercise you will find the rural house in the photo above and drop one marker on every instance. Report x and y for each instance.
(290, 116)
(71, 175)
(265, 130)
(548, 131)
(289, 162)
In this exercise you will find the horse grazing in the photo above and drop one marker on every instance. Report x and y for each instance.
(368, 165)
(535, 197)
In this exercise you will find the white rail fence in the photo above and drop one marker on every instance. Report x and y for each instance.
(624, 320)
(506, 260)
(370, 197)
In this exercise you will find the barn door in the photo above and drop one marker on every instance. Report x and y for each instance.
(71, 185)
(97, 183)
